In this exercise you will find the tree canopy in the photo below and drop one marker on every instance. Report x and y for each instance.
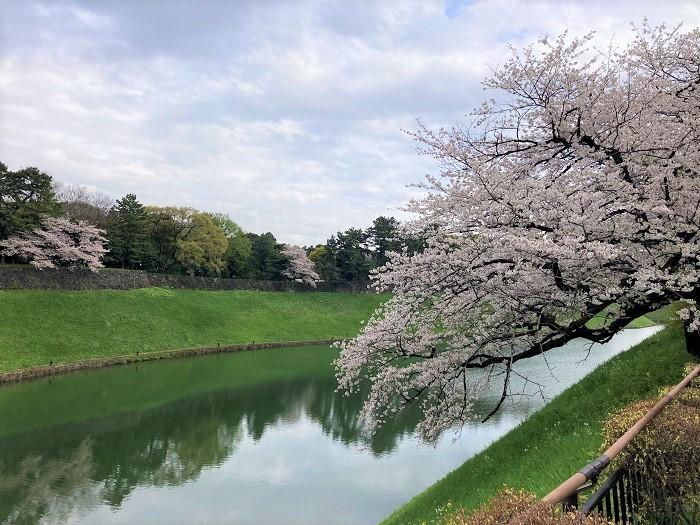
(201, 250)
(80, 203)
(58, 242)
(351, 254)
(171, 239)
(574, 190)
(299, 266)
(26, 197)
(384, 237)
(167, 226)
(239, 250)
(127, 232)
(266, 260)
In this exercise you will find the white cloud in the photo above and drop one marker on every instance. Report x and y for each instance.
(288, 117)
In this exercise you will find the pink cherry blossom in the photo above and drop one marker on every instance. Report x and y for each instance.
(59, 243)
(300, 266)
(575, 189)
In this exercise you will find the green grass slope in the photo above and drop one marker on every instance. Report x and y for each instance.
(40, 326)
(563, 436)
(603, 318)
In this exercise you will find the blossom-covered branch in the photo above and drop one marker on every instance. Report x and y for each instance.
(59, 242)
(577, 190)
(300, 266)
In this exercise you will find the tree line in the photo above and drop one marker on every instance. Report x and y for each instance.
(184, 240)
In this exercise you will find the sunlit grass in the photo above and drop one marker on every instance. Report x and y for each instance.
(662, 315)
(39, 327)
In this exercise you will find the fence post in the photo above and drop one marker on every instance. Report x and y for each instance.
(570, 503)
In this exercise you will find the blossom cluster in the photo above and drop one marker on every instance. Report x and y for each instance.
(59, 242)
(575, 191)
(300, 266)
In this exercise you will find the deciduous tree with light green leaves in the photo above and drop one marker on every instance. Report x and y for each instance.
(167, 226)
(201, 250)
(239, 247)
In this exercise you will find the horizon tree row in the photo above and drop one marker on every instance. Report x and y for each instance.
(172, 239)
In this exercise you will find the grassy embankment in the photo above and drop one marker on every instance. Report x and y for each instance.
(42, 326)
(564, 435)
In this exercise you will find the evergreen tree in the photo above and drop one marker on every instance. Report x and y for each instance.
(324, 259)
(26, 198)
(266, 261)
(384, 236)
(352, 256)
(127, 233)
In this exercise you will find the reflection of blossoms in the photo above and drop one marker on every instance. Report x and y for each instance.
(300, 266)
(576, 191)
(59, 243)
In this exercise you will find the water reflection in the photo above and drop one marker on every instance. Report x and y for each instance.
(254, 447)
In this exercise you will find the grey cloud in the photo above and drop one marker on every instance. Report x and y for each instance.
(287, 115)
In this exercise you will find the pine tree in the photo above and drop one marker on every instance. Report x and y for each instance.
(384, 237)
(127, 232)
(26, 198)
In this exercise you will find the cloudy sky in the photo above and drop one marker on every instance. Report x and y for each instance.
(286, 115)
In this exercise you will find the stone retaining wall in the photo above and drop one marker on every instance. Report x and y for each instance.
(29, 278)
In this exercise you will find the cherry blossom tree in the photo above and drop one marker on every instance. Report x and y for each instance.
(80, 203)
(300, 266)
(576, 191)
(59, 243)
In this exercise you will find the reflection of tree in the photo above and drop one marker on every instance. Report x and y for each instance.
(165, 446)
(168, 446)
(75, 467)
(55, 488)
(337, 415)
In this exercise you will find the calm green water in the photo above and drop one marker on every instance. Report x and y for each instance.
(249, 438)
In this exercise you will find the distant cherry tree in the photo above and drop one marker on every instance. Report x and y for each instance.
(59, 242)
(80, 203)
(576, 191)
(300, 266)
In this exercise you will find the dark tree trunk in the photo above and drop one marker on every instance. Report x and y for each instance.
(692, 341)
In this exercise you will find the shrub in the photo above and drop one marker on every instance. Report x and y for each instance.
(665, 457)
(510, 507)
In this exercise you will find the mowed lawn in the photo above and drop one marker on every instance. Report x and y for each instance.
(563, 436)
(38, 326)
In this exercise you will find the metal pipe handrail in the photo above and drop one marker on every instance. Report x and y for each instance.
(597, 496)
(590, 472)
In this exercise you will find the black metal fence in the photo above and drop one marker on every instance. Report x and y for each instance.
(617, 499)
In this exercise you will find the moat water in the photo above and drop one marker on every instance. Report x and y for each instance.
(247, 438)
